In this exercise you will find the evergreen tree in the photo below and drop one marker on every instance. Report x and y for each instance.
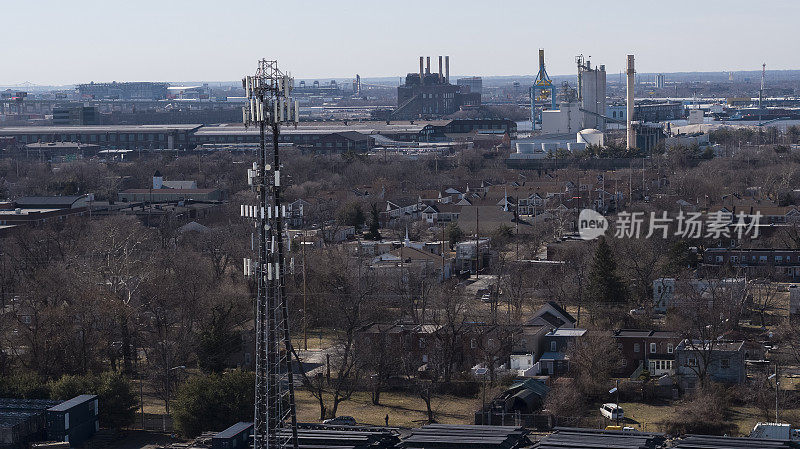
(605, 286)
(213, 402)
(454, 234)
(679, 258)
(374, 224)
(352, 215)
(118, 401)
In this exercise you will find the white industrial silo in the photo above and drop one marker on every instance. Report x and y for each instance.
(526, 147)
(576, 146)
(590, 136)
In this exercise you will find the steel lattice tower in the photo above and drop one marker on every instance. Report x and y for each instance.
(269, 105)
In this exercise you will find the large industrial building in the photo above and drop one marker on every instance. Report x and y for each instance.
(592, 87)
(124, 91)
(473, 83)
(648, 111)
(72, 115)
(588, 112)
(129, 137)
(358, 137)
(430, 95)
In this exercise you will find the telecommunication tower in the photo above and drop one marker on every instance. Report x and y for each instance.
(270, 105)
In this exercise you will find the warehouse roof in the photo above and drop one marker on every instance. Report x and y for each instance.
(564, 438)
(48, 202)
(715, 442)
(67, 405)
(234, 430)
(170, 191)
(465, 436)
(95, 129)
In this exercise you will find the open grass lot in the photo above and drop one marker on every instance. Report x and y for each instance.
(646, 417)
(317, 339)
(403, 409)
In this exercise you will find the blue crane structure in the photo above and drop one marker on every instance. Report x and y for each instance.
(541, 91)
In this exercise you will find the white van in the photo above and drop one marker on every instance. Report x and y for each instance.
(612, 411)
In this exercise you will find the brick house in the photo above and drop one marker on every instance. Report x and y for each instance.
(778, 263)
(646, 349)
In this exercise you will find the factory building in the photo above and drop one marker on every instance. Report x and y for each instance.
(124, 91)
(472, 84)
(429, 95)
(648, 135)
(593, 95)
(129, 137)
(648, 112)
(590, 109)
(567, 119)
(660, 81)
(657, 112)
(343, 142)
(75, 115)
(87, 140)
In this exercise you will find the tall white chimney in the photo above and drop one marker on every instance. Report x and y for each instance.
(631, 76)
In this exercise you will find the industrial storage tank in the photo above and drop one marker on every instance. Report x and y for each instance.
(590, 137)
(576, 146)
(526, 147)
(549, 147)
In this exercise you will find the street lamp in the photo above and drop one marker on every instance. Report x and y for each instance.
(777, 385)
(482, 372)
(166, 402)
(612, 391)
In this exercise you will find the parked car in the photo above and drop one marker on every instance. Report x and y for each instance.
(638, 312)
(341, 420)
(612, 411)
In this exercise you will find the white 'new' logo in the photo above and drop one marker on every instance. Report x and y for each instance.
(591, 224)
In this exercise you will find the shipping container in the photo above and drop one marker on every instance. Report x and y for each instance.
(74, 421)
(76, 435)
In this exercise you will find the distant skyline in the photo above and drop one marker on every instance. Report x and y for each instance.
(55, 42)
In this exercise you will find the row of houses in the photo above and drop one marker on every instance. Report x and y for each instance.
(541, 349)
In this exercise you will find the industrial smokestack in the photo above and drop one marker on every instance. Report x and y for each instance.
(427, 65)
(441, 76)
(420, 69)
(631, 77)
(447, 69)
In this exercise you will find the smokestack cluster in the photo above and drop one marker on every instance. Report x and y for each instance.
(631, 72)
(444, 69)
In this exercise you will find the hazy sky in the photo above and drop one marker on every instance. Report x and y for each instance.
(64, 42)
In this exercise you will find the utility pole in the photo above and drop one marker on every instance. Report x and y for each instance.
(269, 105)
(305, 303)
(617, 387)
(477, 245)
(777, 386)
